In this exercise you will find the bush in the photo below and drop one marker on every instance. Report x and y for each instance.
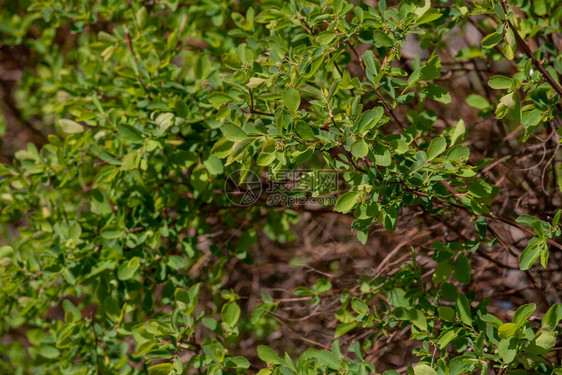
(173, 141)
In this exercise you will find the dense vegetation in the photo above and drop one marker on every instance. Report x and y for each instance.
(282, 187)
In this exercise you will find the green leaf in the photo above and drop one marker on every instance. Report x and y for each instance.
(530, 255)
(70, 127)
(72, 313)
(523, 313)
(359, 306)
(507, 349)
(463, 269)
(442, 272)
(532, 117)
(343, 328)
(49, 352)
(428, 17)
(458, 153)
(437, 93)
(266, 354)
(507, 330)
(491, 40)
(369, 59)
(446, 337)
(161, 369)
(111, 232)
(215, 350)
(382, 40)
(359, 148)
(230, 313)
(236, 362)
(329, 359)
(477, 101)
(6, 252)
(202, 66)
(543, 343)
(346, 201)
(165, 120)
(187, 299)
(233, 132)
(500, 82)
(214, 165)
(130, 161)
(552, 316)
(540, 7)
(491, 320)
(436, 147)
(458, 132)
(431, 69)
(323, 285)
(264, 159)
(222, 148)
(74, 231)
(368, 120)
(130, 133)
(463, 308)
(508, 100)
(382, 155)
(255, 82)
(418, 319)
(181, 109)
(325, 37)
(231, 60)
(446, 313)
(423, 369)
(106, 37)
(291, 99)
(128, 269)
(304, 131)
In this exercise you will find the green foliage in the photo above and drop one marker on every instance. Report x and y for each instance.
(152, 115)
